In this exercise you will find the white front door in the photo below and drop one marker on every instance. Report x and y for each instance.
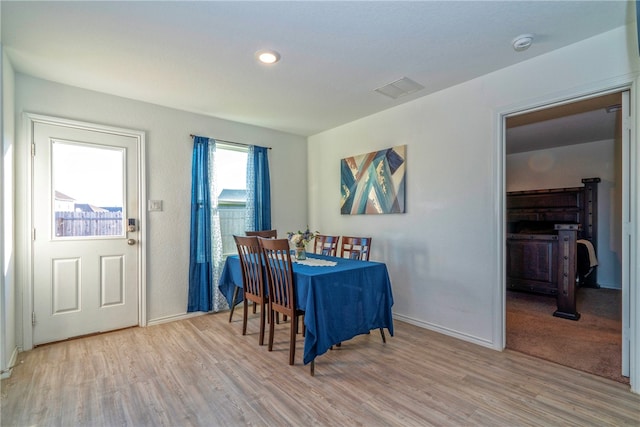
(85, 216)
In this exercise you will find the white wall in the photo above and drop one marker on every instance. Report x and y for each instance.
(565, 167)
(169, 151)
(8, 347)
(445, 253)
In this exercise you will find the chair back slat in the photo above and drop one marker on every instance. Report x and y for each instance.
(326, 245)
(355, 247)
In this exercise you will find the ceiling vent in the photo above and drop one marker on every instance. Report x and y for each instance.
(400, 87)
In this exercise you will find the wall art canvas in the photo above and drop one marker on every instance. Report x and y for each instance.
(374, 183)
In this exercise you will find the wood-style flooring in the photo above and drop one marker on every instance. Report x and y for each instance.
(202, 372)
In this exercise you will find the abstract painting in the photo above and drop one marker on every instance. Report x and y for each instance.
(373, 183)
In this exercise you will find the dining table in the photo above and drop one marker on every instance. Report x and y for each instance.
(341, 298)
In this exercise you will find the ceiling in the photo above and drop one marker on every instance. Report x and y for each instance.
(199, 56)
(589, 120)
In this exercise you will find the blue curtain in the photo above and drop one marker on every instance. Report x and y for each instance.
(200, 262)
(258, 189)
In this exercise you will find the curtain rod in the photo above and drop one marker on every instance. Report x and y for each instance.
(228, 142)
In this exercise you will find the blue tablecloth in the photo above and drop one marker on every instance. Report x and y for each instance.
(340, 302)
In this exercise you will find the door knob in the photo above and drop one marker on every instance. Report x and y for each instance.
(131, 242)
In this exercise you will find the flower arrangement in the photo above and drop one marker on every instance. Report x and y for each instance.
(300, 239)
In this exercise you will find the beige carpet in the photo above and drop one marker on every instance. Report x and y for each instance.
(592, 344)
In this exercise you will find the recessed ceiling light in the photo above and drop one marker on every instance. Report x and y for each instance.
(268, 56)
(522, 42)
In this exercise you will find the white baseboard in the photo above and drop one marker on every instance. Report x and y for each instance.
(174, 317)
(445, 331)
(12, 362)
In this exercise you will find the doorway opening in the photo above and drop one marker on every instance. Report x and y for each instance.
(550, 149)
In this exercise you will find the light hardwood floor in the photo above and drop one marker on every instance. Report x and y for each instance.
(203, 372)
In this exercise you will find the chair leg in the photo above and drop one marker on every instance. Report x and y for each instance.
(384, 340)
(233, 303)
(292, 340)
(313, 368)
(244, 317)
(271, 329)
(304, 328)
(267, 310)
(263, 314)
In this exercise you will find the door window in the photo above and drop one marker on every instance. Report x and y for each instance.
(87, 190)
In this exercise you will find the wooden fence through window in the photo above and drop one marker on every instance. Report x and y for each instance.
(73, 224)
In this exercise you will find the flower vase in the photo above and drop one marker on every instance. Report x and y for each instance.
(301, 253)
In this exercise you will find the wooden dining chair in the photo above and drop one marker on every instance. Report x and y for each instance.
(267, 234)
(326, 245)
(355, 247)
(358, 248)
(254, 288)
(282, 289)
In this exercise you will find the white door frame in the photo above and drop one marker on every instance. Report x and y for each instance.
(629, 83)
(27, 301)
(628, 249)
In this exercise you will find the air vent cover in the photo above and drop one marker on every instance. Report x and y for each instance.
(400, 87)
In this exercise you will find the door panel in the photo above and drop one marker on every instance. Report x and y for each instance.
(112, 280)
(65, 285)
(85, 259)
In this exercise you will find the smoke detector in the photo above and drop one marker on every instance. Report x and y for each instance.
(522, 42)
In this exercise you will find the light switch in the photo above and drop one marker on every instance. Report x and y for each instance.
(154, 205)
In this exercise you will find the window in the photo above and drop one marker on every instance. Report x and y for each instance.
(231, 184)
(87, 190)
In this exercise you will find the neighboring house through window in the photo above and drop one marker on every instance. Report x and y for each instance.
(63, 203)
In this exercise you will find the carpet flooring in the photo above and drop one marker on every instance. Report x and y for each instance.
(592, 344)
